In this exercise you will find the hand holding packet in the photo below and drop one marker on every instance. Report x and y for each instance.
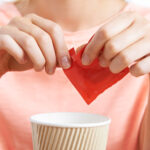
(92, 80)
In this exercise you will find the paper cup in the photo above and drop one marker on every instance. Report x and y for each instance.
(69, 131)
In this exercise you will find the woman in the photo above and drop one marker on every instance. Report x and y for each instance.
(37, 34)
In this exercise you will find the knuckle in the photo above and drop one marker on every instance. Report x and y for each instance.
(124, 58)
(28, 41)
(136, 70)
(44, 37)
(103, 33)
(15, 20)
(4, 40)
(7, 29)
(40, 65)
(56, 28)
(110, 49)
(31, 15)
(35, 31)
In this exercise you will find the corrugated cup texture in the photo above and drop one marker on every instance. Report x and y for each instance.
(56, 138)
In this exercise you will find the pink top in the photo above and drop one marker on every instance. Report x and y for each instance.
(27, 93)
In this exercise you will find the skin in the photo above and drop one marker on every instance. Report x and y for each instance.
(117, 49)
(64, 11)
(44, 35)
(38, 42)
(32, 42)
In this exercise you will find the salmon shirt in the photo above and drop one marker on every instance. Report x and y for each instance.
(23, 94)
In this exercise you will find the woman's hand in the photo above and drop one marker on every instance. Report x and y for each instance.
(32, 42)
(122, 42)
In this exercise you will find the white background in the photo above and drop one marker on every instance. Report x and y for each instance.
(141, 2)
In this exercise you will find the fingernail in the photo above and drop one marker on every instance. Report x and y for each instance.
(85, 60)
(65, 62)
(50, 71)
(103, 63)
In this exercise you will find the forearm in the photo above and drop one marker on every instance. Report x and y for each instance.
(144, 140)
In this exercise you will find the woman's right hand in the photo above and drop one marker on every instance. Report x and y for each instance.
(32, 42)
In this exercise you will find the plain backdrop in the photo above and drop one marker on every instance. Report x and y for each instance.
(140, 2)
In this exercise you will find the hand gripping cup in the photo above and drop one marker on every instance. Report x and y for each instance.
(69, 131)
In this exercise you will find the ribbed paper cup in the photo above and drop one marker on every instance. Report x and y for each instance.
(69, 131)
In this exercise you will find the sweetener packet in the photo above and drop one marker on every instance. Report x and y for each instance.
(92, 80)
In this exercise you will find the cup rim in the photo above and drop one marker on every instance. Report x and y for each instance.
(100, 120)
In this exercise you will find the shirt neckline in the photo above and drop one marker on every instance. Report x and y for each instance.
(73, 33)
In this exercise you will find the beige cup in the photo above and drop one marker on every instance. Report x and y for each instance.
(69, 131)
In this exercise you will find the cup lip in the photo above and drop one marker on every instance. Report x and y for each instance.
(106, 121)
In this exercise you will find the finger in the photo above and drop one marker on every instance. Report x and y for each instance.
(103, 61)
(57, 37)
(125, 38)
(12, 48)
(141, 68)
(130, 55)
(109, 30)
(80, 47)
(28, 44)
(14, 66)
(43, 40)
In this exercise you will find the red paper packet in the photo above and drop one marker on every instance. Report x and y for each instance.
(92, 80)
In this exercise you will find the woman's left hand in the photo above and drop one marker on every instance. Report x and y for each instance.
(122, 42)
